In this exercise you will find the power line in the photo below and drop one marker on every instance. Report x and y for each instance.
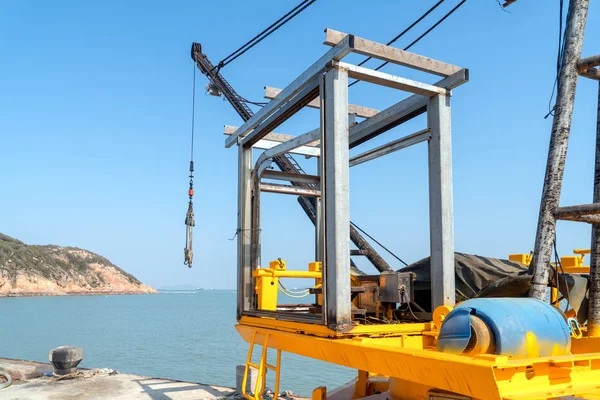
(449, 13)
(407, 29)
(559, 54)
(265, 33)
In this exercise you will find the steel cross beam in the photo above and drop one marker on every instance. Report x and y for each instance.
(327, 79)
(285, 162)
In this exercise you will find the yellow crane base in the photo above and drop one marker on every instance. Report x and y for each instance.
(401, 361)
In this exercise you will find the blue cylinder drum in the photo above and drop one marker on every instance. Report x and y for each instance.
(514, 327)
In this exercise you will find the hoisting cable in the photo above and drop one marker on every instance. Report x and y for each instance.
(375, 240)
(559, 54)
(188, 254)
(422, 35)
(265, 33)
(564, 275)
(407, 29)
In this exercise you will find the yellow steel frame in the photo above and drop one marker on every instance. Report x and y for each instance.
(570, 264)
(408, 356)
(406, 352)
(262, 368)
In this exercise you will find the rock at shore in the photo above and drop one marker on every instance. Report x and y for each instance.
(28, 270)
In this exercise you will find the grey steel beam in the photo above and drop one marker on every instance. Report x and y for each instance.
(594, 282)
(577, 211)
(337, 200)
(245, 280)
(398, 113)
(336, 53)
(290, 145)
(592, 73)
(282, 114)
(391, 147)
(401, 112)
(291, 177)
(274, 137)
(308, 150)
(392, 54)
(589, 219)
(589, 62)
(392, 81)
(441, 212)
(320, 244)
(557, 153)
(286, 189)
(359, 111)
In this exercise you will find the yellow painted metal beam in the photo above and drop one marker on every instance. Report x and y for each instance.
(266, 272)
(380, 330)
(481, 377)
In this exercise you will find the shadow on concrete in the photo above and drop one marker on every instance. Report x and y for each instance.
(168, 389)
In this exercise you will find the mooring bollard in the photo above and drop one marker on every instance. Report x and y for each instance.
(65, 359)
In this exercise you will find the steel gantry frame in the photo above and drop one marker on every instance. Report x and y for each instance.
(285, 162)
(327, 81)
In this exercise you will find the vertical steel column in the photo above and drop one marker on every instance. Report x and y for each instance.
(336, 204)
(245, 286)
(557, 153)
(441, 211)
(318, 232)
(594, 284)
(320, 220)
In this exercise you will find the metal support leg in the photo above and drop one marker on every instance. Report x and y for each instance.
(441, 211)
(336, 205)
(594, 285)
(245, 286)
(559, 139)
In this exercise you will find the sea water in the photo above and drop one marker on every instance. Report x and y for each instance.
(184, 335)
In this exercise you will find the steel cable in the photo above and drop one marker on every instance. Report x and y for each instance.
(265, 33)
(449, 13)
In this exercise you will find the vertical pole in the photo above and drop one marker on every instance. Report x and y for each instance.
(244, 287)
(336, 205)
(318, 232)
(557, 153)
(441, 211)
(594, 300)
(319, 220)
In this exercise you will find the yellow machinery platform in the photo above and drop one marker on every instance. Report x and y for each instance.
(353, 320)
(406, 352)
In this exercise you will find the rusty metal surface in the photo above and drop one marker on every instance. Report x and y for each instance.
(589, 62)
(577, 211)
(592, 73)
(594, 282)
(557, 153)
(396, 287)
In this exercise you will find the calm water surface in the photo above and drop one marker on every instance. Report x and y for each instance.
(179, 335)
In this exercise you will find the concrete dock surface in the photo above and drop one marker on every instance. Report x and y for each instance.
(30, 381)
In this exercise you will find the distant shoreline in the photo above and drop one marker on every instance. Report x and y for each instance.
(33, 294)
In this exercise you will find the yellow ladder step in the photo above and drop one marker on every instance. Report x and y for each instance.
(262, 367)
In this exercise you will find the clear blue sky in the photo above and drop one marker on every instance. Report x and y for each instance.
(95, 104)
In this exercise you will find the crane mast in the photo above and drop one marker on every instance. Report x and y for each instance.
(285, 162)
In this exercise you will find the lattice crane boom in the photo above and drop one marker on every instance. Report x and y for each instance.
(285, 162)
